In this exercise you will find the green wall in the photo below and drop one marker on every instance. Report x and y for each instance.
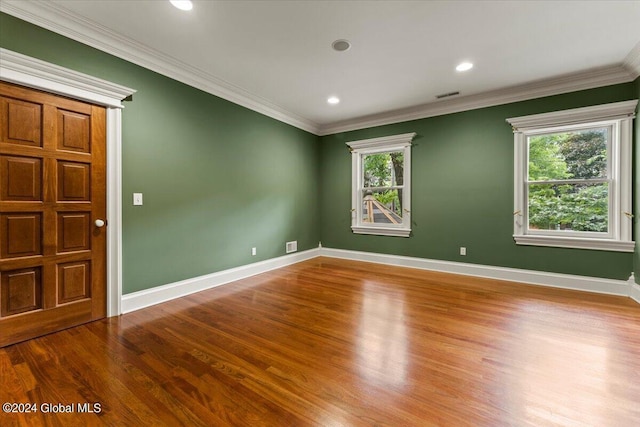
(636, 188)
(217, 178)
(462, 195)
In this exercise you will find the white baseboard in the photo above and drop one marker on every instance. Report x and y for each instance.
(635, 292)
(556, 280)
(148, 297)
(634, 289)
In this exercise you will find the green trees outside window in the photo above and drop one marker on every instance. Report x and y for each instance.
(568, 180)
(383, 179)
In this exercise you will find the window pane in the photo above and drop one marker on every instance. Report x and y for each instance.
(569, 207)
(569, 155)
(383, 169)
(382, 207)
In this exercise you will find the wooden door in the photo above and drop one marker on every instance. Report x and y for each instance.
(52, 192)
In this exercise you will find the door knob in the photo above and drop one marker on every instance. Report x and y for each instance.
(100, 223)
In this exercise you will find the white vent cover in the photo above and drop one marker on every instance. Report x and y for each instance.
(292, 246)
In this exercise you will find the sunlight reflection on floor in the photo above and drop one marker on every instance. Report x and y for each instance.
(579, 363)
(382, 336)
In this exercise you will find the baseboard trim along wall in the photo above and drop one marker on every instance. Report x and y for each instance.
(634, 290)
(556, 280)
(148, 297)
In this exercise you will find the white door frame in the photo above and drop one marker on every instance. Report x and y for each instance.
(37, 74)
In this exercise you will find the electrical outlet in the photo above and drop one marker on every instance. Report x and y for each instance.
(253, 251)
(463, 250)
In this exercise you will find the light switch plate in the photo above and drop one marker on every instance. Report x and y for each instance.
(137, 199)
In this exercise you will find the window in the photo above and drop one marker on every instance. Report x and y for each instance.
(381, 185)
(573, 178)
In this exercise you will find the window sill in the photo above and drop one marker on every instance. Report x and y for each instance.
(381, 231)
(576, 243)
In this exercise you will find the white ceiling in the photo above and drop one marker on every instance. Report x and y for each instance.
(276, 57)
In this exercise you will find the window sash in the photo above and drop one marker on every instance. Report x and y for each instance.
(620, 117)
(360, 149)
(571, 181)
(393, 177)
(609, 234)
(612, 134)
(376, 189)
(360, 219)
(389, 215)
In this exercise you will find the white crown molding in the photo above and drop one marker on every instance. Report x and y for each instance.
(597, 77)
(148, 297)
(60, 20)
(632, 61)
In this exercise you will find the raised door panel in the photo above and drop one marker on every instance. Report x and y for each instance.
(74, 131)
(21, 291)
(74, 181)
(21, 235)
(73, 231)
(20, 178)
(22, 122)
(74, 281)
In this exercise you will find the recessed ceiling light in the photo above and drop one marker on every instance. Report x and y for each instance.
(333, 100)
(464, 66)
(182, 4)
(341, 45)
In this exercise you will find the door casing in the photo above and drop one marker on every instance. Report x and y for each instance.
(37, 74)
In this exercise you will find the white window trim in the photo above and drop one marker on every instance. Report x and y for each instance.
(620, 237)
(378, 145)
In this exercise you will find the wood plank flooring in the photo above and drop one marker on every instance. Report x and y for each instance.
(330, 342)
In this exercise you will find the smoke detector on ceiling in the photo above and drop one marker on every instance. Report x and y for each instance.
(341, 45)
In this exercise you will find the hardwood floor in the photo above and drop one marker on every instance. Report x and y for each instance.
(339, 343)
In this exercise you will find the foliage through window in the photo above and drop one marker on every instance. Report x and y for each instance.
(569, 180)
(381, 195)
(573, 178)
(383, 177)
